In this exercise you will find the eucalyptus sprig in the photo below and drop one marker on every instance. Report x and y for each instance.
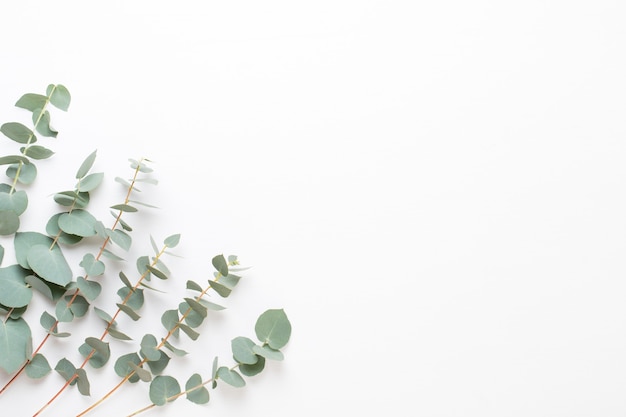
(72, 290)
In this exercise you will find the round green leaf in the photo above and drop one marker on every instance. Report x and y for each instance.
(60, 97)
(196, 392)
(90, 182)
(162, 388)
(78, 222)
(38, 367)
(273, 327)
(17, 201)
(252, 370)
(18, 132)
(230, 377)
(15, 344)
(242, 350)
(9, 222)
(14, 292)
(49, 264)
(28, 173)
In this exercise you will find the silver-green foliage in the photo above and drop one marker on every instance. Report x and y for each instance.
(41, 269)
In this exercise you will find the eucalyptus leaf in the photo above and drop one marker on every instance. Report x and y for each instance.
(162, 388)
(14, 291)
(32, 101)
(242, 350)
(231, 377)
(123, 366)
(15, 343)
(93, 267)
(38, 367)
(129, 311)
(273, 328)
(41, 120)
(90, 182)
(36, 152)
(18, 132)
(252, 370)
(17, 201)
(27, 173)
(220, 264)
(86, 165)
(9, 222)
(91, 289)
(196, 392)
(49, 264)
(78, 222)
(59, 96)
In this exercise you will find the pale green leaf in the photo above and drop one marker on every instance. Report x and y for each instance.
(41, 120)
(38, 367)
(28, 173)
(9, 222)
(124, 366)
(13, 159)
(14, 292)
(15, 344)
(242, 350)
(90, 182)
(162, 388)
(78, 222)
(172, 241)
(93, 267)
(252, 370)
(90, 289)
(86, 165)
(49, 264)
(36, 152)
(129, 311)
(18, 132)
(124, 207)
(273, 328)
(59, 96)
(32, 101)
(268, 353)
(231, 377)
(196, 392)
(219, 262)
(17, 201)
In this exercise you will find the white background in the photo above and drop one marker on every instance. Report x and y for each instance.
(433, 191)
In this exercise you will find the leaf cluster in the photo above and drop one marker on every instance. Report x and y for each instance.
(70, 292)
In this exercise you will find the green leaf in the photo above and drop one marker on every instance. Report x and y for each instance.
(28, 173)
(148, 348)
(169, 319)
(9, 222)
(192, 285)
(51, 291)
(134, 300)
(129, 311)
(78, 222)
(93, 267)
(23, 241)
(156, 272)
(123, 366)
(221, 289)
(230, 280)
(211, 305)
(15, 344)
(118, 335)
(142, 167)
(196, 306)
(14, 292)
(230, 377)
(38, 367)
(32, 101)
(18, 132)
(159, 365)
(41, 120)
(36, 152)
(99, 351)
(220, 264)
(268, 353)
(143, 374)
(252, 370)
(90, 182)
(242, 350)
(86, 165)
(193, 335)
(63, 311)
(82, 382)
(72, 199)
(18, 202)
(273, 328)
(90, 289)
(172, 241)
(192, 318)
(79, 306)
(60, 97)
(66, 369)
(162, 388)
(173, 349)
(49, 264)
(53, 229)
(13, 159)
(124, 207)
(121, 238)
(196, 392)
(106, 317)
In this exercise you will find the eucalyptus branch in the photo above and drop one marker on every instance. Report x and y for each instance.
(272, 329)
(197, 306)
(99, 343)
(52, 327)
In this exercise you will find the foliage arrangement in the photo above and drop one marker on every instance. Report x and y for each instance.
(69, 292)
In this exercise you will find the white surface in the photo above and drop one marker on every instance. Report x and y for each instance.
(434, 191)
